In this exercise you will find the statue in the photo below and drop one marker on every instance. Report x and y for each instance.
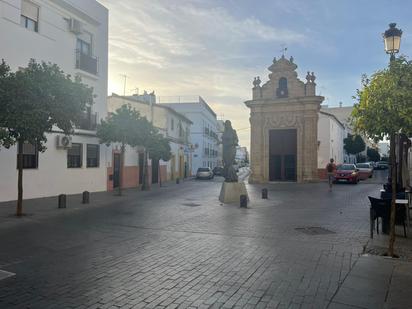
(229, 141)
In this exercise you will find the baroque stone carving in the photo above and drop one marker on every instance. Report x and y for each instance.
(284, 120)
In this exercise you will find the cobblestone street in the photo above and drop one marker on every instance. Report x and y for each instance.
(177, 246)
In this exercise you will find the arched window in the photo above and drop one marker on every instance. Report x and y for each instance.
(282, 91)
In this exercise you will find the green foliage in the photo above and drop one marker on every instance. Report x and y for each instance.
(373, 154)
(36, 98)
(127, 127)
(159, 148)
(384, 103)
(354, 144)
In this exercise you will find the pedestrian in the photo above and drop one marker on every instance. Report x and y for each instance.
(331, 169)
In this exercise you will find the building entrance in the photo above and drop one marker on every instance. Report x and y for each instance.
(282, 155)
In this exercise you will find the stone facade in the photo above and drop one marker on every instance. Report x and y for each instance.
(284, 102)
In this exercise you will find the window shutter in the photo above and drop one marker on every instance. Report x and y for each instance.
(30, 10)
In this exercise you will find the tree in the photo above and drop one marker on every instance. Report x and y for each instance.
(127, 127)
(373, 154)
(384, 109)
(354, 144)
(32, 101)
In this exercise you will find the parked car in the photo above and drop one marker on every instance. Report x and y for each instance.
(382, 165)
(373, 164)
(365, 170)
(347, 173)
(204, 173)
(218, 171)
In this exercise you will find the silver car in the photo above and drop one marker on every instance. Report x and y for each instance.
(204, 173)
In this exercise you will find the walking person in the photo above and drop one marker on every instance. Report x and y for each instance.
(331, 169)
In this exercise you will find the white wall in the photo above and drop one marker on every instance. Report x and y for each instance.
(200, 115)
(330, 135)
(52, 177)
(56, 44)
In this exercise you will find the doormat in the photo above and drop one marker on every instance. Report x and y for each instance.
(314, 230)
(5, 274)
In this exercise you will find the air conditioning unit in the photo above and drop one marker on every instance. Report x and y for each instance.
(75, 26)
(63, 141)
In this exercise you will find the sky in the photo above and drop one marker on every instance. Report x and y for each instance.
(215, 48)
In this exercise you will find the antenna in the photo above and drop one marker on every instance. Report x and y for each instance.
(124, 83)
(136, 90)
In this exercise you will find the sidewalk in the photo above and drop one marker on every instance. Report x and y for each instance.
(375, 282)
(41, 208)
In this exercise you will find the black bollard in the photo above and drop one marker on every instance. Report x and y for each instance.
(62, 201)
(177, 180)
(264, 193)
(243, 201)
(86, 197)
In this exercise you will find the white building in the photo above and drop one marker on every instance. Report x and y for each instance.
(383, 149)
(172, 125)
(331, 133)
(74, 35)
(241, 155)
(203, 134)
(220, 130)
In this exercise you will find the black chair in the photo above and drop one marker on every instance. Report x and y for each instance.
(377, 210)
(381, 208)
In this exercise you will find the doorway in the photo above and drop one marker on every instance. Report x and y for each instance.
(282, 155)
(155, 171)
(116, 170)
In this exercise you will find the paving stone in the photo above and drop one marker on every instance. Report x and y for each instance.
(147, 250)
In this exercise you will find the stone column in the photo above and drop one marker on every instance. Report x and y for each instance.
(310, 147)
(256, 144)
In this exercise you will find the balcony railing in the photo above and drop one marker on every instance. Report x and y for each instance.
(86, 63)
(88, 121)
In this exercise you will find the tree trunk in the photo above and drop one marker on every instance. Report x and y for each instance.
(144, 178)
(393, 200)
(122, 149)
(19, 210)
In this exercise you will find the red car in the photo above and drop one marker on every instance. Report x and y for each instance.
(347, 173)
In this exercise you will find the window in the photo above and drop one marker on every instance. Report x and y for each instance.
(282, 91)
(180, 129)
(29, 15)
(74, 156)
(93, 154)
(30, 156)
(84, 43)
(84, 47)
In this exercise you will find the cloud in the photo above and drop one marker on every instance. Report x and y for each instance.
(166, 35)
(191, 48)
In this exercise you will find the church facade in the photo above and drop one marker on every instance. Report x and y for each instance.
(284, 126)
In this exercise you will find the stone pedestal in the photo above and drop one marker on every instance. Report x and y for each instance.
(231, 192)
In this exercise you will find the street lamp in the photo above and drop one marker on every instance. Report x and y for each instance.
(392, 39)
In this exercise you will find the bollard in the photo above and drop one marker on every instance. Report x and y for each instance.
(62, 201)
(264, 193)
(86, 197)
(243, 201)
(177, 180)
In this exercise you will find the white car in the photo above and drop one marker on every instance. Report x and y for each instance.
(365, 170)
(204, 173)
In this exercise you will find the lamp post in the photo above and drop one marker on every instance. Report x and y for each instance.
(392, 40)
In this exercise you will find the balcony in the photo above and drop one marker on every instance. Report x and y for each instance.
(86, 63)
(88, 121)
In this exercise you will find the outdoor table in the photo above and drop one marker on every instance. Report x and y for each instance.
(386, 219)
